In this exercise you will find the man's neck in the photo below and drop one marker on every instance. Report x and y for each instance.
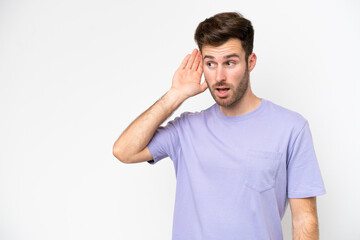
(246, 105)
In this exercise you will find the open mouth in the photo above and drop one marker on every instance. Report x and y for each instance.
(222, 90)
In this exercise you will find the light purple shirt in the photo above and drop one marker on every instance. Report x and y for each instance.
(235, 174)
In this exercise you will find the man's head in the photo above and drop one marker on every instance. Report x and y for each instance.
(221, 27)
(226, 43)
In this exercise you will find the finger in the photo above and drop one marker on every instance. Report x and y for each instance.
(200, 67)
(192, 58)
(184, 62)
(196, 62)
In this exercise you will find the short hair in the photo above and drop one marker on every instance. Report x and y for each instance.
(219, 28)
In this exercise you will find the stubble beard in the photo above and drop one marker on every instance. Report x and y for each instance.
(237, 95)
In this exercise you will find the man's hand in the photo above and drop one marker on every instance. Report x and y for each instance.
(186, 80)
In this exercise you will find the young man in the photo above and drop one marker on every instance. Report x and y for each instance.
(239, 162)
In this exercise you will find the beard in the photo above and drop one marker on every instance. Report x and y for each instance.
(236, 92)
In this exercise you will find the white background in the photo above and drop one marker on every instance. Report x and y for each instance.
(74, 74)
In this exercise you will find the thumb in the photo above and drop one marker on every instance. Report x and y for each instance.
(203, 86)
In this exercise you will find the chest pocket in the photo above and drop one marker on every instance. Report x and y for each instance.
(261, 169)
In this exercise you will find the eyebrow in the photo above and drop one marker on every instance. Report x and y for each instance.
(226, 57)
(231, 55)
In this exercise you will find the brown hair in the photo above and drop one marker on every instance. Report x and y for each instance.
(221, 27)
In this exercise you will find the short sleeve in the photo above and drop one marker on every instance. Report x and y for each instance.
(165, 141)
(303, 172)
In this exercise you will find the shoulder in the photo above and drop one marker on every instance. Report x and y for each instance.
(191, 118)
(198, 114)
(285, 116)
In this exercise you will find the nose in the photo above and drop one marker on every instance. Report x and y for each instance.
(220, 74)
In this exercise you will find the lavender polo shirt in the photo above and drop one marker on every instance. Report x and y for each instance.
(234, 175)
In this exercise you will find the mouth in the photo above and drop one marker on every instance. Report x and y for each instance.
(222, 91)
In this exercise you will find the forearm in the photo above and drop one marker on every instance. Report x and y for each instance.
(306, 229)
(139, 133)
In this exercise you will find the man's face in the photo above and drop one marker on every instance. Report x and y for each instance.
(226, 72)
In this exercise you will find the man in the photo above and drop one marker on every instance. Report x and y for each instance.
(239, 162)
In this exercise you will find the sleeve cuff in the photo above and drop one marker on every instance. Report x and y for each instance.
(152, 151)
(306, 194)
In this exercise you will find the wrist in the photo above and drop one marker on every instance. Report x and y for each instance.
(176, 95)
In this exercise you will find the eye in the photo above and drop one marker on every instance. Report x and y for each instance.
(229, 63)
(209, 64)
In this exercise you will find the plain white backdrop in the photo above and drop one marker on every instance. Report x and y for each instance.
(75, 73)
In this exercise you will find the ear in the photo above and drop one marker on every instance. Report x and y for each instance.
(251, 61)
